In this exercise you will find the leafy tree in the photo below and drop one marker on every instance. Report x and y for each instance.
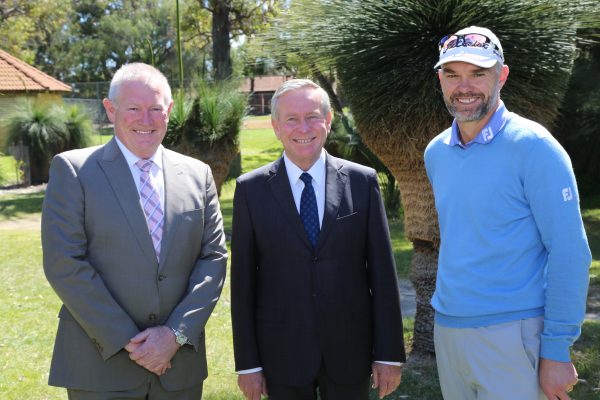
(383, 54)
(47, 130)
(227, 20)
(28, 28)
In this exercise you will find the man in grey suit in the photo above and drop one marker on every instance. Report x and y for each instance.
(314, 295)
(133, 245)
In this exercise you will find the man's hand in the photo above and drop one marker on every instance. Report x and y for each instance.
(386, 377)
(253, 385)
(557, 378)
(153, 349)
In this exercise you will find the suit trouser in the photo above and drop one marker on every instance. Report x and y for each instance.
(490, 363)
(151, 390)
(328, 390)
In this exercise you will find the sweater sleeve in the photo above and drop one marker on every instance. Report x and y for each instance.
(551, 189)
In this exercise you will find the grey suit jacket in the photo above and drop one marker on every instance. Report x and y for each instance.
(99, 258)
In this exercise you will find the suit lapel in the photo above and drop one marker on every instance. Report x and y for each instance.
(280, 187)
(119, 177)
(335, 182)
(174, 186)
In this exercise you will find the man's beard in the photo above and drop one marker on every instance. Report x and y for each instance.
(473, 115)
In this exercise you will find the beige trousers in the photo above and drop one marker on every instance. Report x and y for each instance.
(496, 362)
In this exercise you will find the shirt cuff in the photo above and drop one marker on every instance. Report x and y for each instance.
(249, 371)
(396, 363)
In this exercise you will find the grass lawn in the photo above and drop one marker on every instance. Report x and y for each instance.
(28, 306)
(9, 174)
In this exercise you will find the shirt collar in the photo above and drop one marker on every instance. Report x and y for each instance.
(487, 134)
(132, 158)
(317, 171)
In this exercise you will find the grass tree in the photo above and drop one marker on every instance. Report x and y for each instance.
(207, 126)
(47, 130)
(383, 53)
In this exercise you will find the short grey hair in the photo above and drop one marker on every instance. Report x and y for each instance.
(296, 84)
(139, 72)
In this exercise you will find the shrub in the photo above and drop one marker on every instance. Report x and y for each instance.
(46, 131)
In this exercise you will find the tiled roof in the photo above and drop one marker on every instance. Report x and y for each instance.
(17, 76)
(264, 83)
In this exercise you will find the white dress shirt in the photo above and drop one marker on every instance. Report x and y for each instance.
(156, 172)
(317, 172)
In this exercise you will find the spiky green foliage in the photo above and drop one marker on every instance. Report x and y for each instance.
(384, 53)
(79, 127)
(214, 113)
(579, 122)
(37, 127)
(207, 125)
(47, 130)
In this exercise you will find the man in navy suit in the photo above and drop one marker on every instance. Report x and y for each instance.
(314, 293)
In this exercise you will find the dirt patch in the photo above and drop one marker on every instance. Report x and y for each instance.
(255, 123)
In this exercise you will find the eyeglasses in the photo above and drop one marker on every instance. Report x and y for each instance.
(468, 40)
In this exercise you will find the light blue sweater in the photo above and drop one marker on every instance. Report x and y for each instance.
(513, 244)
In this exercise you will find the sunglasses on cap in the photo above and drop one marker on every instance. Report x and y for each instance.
(467, 40)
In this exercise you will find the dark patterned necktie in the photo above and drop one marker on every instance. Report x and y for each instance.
(308, 210)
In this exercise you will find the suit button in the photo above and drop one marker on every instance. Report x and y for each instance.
(161, 277)
(152, 317)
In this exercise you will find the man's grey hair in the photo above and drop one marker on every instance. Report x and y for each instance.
(138, 72)
(295, 84)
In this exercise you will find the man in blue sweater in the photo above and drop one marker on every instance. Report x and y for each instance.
(514, 259)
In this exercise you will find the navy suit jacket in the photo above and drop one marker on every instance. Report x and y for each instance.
(295, 307)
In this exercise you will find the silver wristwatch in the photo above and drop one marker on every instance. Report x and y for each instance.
(180, 338)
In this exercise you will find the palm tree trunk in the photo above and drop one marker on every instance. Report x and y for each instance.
(405, 160)
(218, 155)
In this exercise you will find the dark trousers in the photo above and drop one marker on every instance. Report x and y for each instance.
(327, 389)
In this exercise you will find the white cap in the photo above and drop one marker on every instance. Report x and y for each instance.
(484, 57)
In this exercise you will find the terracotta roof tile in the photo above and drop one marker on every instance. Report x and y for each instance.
(17, 76)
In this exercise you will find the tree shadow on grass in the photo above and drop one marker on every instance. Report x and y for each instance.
(17, 205)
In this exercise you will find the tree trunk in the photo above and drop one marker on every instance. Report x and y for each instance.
(220, 37)
(405, 160)
(218, 155)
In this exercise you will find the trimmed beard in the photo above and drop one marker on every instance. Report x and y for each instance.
(475, 115)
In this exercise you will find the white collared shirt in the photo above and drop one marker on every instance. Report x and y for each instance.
(317, 171)
(156, 172)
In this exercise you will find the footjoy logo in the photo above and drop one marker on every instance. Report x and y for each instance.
(487, 134)
(567, 194)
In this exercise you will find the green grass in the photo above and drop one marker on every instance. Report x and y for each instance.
(19, 206)
(28, 306)
(28, 309)
(259, 147)
(8, 171)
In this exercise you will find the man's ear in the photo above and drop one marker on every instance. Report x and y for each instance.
(275, 125)
(503, 75)
(110, 109)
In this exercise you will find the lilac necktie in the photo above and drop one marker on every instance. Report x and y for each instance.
(151, 204)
